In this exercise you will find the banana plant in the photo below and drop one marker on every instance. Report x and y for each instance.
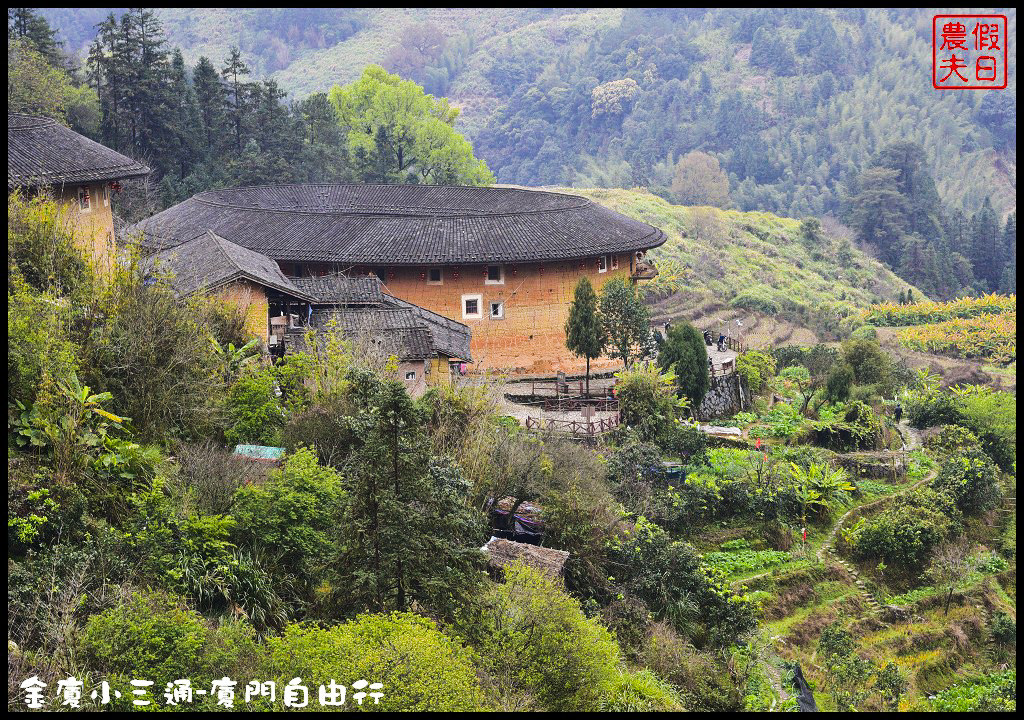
(234, 359)
(820, 488)
(79, 432)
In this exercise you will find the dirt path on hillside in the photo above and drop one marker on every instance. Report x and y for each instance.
(911, 441)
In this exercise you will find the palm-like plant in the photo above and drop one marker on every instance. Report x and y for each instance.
(234, 359)
(820, 488)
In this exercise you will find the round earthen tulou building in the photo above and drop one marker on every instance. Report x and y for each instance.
(504, 261)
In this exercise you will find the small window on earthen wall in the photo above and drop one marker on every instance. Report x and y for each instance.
(495, 275)
(471, 307)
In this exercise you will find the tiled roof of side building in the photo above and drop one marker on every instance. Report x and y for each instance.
(339, 289)
(210, 261)
(403, 224)
(450, 337)
(397, 331)
(43, 153)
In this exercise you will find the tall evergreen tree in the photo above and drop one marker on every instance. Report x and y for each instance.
(236, 99)
(1008, 278)
(413, 537)
(626, 319)
(685, 353)
(210, 98)
(29, 25)
(584, 333)
(986, 247)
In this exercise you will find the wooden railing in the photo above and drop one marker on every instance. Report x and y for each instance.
(730, 342)
(563, 403)
(562, 387)
(576, 428)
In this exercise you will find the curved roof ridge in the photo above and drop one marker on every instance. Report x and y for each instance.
(381, 210)
(43, 152)
(403, 224)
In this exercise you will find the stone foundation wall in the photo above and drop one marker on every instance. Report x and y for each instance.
(726, 396)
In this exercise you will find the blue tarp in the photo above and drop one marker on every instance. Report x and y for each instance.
(259, 452)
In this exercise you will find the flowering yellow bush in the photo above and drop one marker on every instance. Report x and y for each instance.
(988, 337)
(923, 313)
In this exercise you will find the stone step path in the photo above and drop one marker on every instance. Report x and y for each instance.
(911, 441)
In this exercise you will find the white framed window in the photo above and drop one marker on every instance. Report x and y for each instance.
(495, 275)
(411, 375)
(615, 262)
(106, 195)
(497, 310)
(602, 264)
(472, 307)
(434, 276)
(84, 199)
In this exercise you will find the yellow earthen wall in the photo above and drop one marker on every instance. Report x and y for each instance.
(530, 338)
(94, 227)
(251, 299)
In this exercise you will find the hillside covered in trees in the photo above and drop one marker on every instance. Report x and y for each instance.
(798, 112)
(197, 524)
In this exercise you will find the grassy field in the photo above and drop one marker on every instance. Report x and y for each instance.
(726, 264)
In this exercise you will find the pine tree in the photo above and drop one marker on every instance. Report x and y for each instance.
(986, 251)
(27, 24)
(412, 536)
(210, 98)
(236, 101)
(685, 353)
(584, 334)
(1008, 278)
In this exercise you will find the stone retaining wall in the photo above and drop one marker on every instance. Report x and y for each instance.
(726, 396)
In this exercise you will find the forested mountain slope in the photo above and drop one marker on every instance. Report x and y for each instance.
(792, 102)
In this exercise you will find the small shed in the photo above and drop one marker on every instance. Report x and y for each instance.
(501, 553)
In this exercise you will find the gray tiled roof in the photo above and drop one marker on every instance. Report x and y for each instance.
(395, 330)
(449, 337)
(403, 224)
(42, 153)
(338, 289)
(210, 261)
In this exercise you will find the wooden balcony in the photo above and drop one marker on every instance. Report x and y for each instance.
(644, 270)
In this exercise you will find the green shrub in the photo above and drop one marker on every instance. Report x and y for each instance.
(680, 587)
(990, 693)
(906, 531)
(838, 382)
(854, 427)
(153, 636)
(1003, 629)
(992, 416)
(641, 691)
(971, 480)
(865, 332)
(562, 660)
(255, 415)
(295, 513)
(646, 402)
(953, 440)
(420, 667)
(756, 368)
